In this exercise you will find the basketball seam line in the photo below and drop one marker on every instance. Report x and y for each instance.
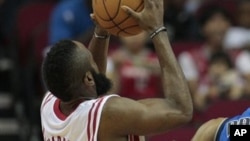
(117, 25)
(110, 16)
(118, 33)
(125, 19)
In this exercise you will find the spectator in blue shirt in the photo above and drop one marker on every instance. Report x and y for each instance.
(70, 20)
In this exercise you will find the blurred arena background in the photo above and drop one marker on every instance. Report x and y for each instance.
(211, 39)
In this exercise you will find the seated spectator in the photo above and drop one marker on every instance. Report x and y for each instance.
(243, 66)
(71, 20)
(237, 41)
(136, 69)
(225, 81)
(222, 81)
(215, 22)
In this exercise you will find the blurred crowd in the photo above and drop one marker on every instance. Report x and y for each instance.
(210, 38)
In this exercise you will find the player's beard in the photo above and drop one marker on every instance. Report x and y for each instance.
(103, 84)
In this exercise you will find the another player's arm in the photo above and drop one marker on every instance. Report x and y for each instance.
(99, 48)
(125, 116)
(207, 131)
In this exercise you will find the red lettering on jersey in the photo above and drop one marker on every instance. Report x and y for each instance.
(58, 138)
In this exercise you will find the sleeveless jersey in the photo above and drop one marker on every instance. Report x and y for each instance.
(223, 132)
(81, 125)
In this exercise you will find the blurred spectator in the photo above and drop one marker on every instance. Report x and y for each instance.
(244, 13)
(136, 69)
(193, 5)
(215, 22)
(223, 80)
(242, 63)
(180, 23)
(237, 40)
(71, 20)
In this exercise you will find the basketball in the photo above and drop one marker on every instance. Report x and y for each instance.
(111, 17)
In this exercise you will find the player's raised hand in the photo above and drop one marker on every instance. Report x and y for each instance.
(151, 17)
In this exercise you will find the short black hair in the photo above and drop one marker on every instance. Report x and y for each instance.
(60, 68)
(212, 10)
(223, 57)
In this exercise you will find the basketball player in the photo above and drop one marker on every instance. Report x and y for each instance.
(218, 129)
(77, 108)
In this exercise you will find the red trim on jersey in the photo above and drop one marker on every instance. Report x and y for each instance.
(131, 138)
(90, 118)
(95, 116)
(57, 110)
(136, 138)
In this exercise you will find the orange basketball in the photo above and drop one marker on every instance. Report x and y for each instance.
(114, 19)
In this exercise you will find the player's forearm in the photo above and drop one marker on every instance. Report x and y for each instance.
(99, 49)
(174, 83)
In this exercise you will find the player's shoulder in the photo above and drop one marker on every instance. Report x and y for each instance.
(47, 96)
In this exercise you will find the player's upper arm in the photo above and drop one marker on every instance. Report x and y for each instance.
(124, 116)
(208, 130)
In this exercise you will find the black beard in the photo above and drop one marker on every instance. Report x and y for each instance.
(102, 83)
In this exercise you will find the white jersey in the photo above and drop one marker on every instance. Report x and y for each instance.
(81, 125)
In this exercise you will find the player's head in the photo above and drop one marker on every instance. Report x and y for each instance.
(215, 22)
(220, 62)
(70, 72)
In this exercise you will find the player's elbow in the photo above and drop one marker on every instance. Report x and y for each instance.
(186, 114)
(187, 110)
(187, 117)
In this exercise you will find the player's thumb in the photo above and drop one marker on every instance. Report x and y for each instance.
(129, 11)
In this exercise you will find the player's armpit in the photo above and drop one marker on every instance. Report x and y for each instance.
(208, 130)
(124, 116)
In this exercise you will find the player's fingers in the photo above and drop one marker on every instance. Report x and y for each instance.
(129, 11)
(92, 16)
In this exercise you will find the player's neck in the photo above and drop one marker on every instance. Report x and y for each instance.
(68, 107)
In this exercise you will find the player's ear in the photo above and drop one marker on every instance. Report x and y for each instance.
(88, 79)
